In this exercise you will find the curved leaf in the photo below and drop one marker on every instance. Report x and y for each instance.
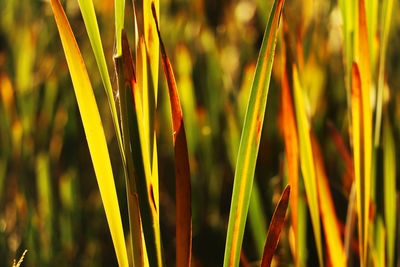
(275, 228)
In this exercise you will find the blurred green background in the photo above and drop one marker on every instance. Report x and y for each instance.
(49, 199)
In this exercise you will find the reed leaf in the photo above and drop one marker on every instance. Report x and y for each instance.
(289, 129)
(307, 163)
(360, 144)
(148, 209)
(89, 17)
(119, 24)
(389, 183)
(250, 139)
(93, 130)
(386, 17)
(182, 168)
(275, 228)
(330, 223)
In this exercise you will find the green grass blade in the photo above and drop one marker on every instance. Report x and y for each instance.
(307, 162)
(250, 140)
(389, 183)
(93, 130)
(89, 17)
(257, 219)
(119, 24)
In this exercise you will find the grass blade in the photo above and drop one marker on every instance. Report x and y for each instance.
(250, 139)
(386, 17)
(89, 17)
(291, 142)
(119, 24)
(93, 130)
(131, 190)
(182, 168)
(389, 181)
(330, 222)
(148, 208)
(307, 162)
(360, 157)
(275, 228)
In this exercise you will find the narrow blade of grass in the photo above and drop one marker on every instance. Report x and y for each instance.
(148, 208)
(131, 190)
(89, 17)
(386, 17)
(307, 162)
(93, 130)
(275, 228)
(291, 142)
(363, 70)
(360, 166)
(182, 168)
(389, 163)
(119, 24)
(250, 139)
(335, 249)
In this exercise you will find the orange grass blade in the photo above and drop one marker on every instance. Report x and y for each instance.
(330, 222)
(275, 228)
(182, 168)
(365, 128)
(362, 169)
(93, 130)
(289, 130)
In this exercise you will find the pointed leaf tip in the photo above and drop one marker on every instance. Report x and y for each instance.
(275, 228)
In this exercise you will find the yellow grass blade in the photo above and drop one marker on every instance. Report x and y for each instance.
(307, 162)
(335, 248)
(93, 130)
(362, 162)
